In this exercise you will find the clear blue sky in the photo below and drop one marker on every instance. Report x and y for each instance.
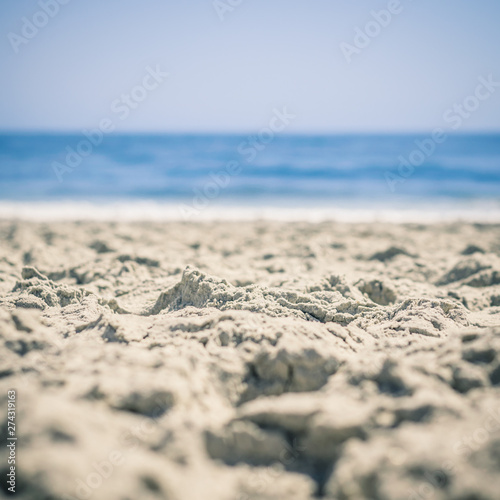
(229, 75)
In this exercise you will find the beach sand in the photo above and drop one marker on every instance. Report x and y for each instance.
(251, 360)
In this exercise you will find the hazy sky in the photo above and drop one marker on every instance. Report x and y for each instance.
(229, 74)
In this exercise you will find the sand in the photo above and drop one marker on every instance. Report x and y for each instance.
(252, 360)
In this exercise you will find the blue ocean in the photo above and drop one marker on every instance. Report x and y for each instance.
(231, 170)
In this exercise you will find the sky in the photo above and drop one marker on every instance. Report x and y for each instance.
(227, 65)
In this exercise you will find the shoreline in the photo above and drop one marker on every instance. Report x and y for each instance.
(425, 212)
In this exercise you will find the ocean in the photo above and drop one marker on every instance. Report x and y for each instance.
(189, 176)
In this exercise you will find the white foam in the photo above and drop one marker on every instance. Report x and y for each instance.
(430, 212)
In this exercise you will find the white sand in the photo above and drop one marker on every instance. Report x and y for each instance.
(252, 360)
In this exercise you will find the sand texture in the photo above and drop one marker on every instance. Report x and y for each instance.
(252, 360)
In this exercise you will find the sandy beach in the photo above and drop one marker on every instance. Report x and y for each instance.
(251, 360)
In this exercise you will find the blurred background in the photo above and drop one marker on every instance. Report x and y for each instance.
(384, 106)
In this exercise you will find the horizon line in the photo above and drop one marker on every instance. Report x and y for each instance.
(73, 132)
